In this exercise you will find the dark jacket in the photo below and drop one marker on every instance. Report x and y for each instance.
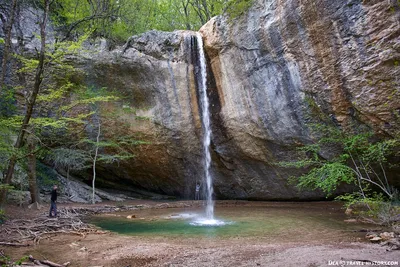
(54, 195)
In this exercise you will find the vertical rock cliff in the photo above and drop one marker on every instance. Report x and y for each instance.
(281, 58)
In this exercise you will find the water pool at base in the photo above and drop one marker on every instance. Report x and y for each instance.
(283, 221)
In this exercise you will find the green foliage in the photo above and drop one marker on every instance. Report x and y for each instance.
(119, 19)
(68, 158)
(236, 8)
(373, 207)
(55, 115)
(357, 156)
(6, 187)
(379, 151)
(327, 177)
(87, 101)
(29, 65)
(6, 148)
(7, 102)
(21, 260)
(372, 199)
(360, 159)
(110, 150)
(46, 175)
(121, 31)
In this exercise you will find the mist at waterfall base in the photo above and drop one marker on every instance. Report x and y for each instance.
(201, 76)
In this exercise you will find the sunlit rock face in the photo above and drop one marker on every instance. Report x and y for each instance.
(343, 54)
(282, 60)
(267, 73)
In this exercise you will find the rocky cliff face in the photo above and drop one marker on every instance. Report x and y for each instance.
(343, 54)
(156, 73)
(282, 58)
(267, 70)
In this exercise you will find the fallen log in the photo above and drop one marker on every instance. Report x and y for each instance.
(14, 244)
(47, 262)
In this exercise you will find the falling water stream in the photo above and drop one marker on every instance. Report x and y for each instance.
(209, 213)
(206, 128)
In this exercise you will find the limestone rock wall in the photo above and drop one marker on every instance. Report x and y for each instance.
(342, 56)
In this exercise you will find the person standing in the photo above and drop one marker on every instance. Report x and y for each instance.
(53, 205)
(197, 194)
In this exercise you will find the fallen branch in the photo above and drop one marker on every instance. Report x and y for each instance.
(47, 262)
(69, 222)
(14, 244)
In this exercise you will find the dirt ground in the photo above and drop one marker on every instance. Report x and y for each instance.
(116, 250)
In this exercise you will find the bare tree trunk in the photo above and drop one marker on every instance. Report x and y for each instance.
(96, 153)
(206, 10)
(185, 4)
(197, 7)
(7, 43)
(33, 188)
(31, 101)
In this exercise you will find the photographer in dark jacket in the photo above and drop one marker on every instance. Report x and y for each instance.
(53, 206)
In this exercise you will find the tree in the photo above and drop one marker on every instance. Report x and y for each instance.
(118, 20)
(96, 154)
(356, 160)
(31, 100)
(78, 17)
(33, 188)
(104, 150)
(91, 146)
(52, 66)
(356, 157)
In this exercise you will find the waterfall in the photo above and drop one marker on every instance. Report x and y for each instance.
(206, 127)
